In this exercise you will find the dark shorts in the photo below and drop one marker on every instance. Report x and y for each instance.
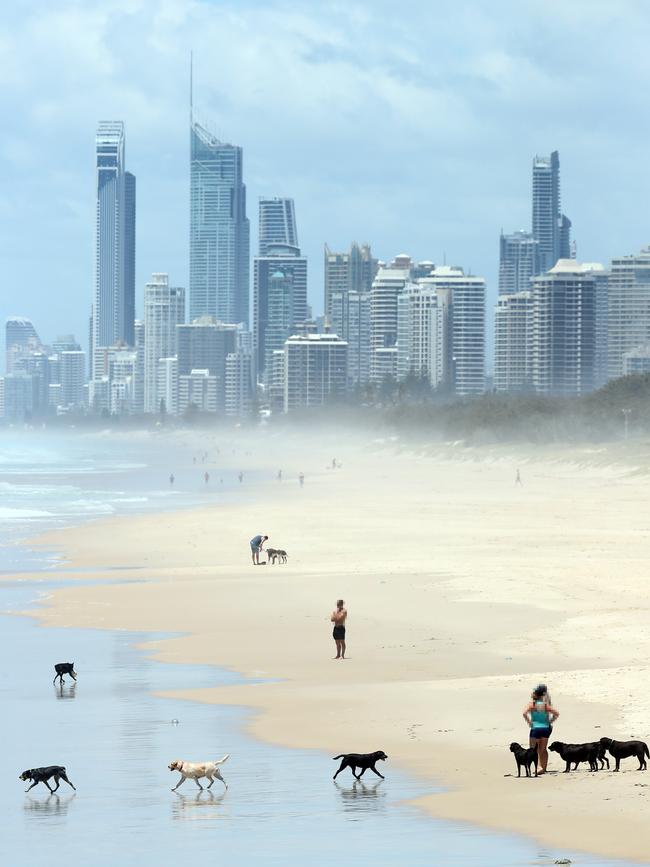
(541, 732)
(338, 633)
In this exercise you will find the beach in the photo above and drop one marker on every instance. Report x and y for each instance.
(464, 590)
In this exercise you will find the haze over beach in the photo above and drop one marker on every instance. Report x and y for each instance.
(324, 433)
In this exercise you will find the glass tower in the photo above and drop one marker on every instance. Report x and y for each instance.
(551, 229)
(219, 229)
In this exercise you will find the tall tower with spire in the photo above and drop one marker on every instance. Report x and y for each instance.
(219, 227)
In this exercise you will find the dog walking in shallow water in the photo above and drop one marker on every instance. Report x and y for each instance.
(42, 775)
(197, 770)
(62, 668)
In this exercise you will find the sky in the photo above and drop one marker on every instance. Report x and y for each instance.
(409, 126)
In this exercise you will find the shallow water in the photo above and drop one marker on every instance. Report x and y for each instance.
(116, 738)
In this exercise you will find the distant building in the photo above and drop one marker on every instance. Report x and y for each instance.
(513, 343)
(277, 224)
(315, 370)
(73, 379)
(565, 308)
(637, 360)
(20, 339)
(20, 396)
(386, 289)
(219, 229)
(205, 345)
(551, 229)
(197, 391)
(422, 334)
(279, 300)
(138, 384)
(123, 378)
(167, 385)
(164, 309)
(346, 272)
(518, 262)
(628, 325)
(114, 297)
(239, 383)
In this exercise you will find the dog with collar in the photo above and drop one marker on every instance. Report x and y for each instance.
(197, 770)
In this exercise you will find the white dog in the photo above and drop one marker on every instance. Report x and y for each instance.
(196, 770)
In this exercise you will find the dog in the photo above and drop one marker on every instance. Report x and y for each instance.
(601, 754)
(42, 775)
(365, 761)
(524, 757)
(272, 554)
(62, 668)
(624, 749)
(573, 754)
(196, 770)
(282, 555)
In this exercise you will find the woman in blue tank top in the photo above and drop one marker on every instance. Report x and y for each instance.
(540, 715)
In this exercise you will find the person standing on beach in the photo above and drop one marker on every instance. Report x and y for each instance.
(338, 618)
(518, 478)
(301, 479)
(257, 543)
(540, 716)
(240, 477)
(279, 475)
(206, 477)
(171, 480)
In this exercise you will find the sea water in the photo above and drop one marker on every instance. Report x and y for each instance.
(116, 738)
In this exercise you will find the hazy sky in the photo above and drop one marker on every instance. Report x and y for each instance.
(409, 125)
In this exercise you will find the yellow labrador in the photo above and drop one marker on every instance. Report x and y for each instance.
(196, 770)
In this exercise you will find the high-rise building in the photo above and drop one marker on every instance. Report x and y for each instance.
(167, 385)
(277, 224)
(279, 300)
(422, 334)
(20, 396)
(73, 379)
(466, 319)
(239, 383)
(164, 309)
(550, 227)
(197, 392)
(114, 301)
(513, 323)
(20, 339)
(387, 286)
(564, 326)
(205, 345)
(518, 262)
(138, 385)
(315, 370)
(351, 271)
(628, 323)
(219, 229)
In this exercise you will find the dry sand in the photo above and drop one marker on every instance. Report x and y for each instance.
(463, 591)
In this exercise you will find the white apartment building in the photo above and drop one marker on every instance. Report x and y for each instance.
(422, 338)
(167, 385)
(315, 370)
(513, 342)
(628, 323)
(197, 390)
(73, 378)
(239, 383)
(164, 309)
(386, 289)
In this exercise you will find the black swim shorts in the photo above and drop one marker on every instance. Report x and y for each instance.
(542, 732)
(338, 633)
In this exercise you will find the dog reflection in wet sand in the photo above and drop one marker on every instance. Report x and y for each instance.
(197, 771)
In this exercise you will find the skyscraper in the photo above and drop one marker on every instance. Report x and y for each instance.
(20, 339)
(114, 302)
(315, 370)
(352, 271)
(219, 229)
(513, 342)
(277, 223)
(518, 262)
(164, 309)
(550, 227)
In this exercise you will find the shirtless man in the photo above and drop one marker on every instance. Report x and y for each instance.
(338, 633)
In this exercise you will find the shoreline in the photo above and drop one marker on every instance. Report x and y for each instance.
(457, 642)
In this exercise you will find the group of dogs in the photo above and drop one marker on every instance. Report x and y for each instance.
(188, 770)
(594, 754)
(278, 554)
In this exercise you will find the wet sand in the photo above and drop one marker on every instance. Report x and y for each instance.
(463, 589)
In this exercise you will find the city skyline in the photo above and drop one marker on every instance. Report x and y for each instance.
(344, 187)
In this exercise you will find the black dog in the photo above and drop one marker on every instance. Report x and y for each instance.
(601, 754)
(573, 754)
(624, 749)
(62, 668)
(524, 757)
(42, 775)
(365, 761)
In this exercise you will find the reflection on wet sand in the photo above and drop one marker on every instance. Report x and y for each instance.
(53, 805)
(203, 805)
(65, 691)
(362, 798)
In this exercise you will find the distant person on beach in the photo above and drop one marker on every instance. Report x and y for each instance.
(540, 716)
(518, 478)
(206, 476)
(240, 477)
(338, 618)
(301, 479)
(257, 542)
(333, 463)
(171, 480)
(279, 475)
